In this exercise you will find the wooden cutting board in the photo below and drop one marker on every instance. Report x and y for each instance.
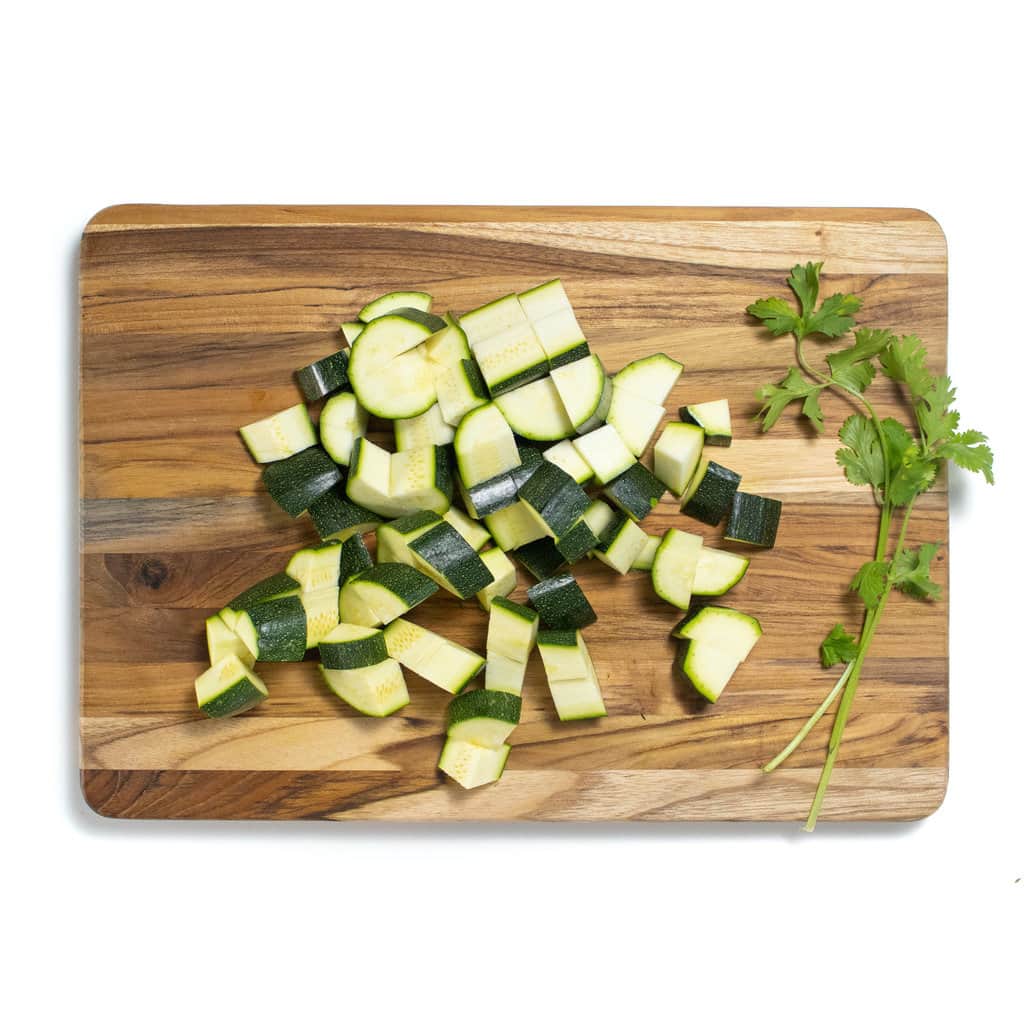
(192, 321)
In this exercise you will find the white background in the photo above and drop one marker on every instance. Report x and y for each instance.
(871, 104)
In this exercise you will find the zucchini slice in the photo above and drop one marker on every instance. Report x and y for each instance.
(560, 603)
(585, 391)
(485, 445)
(718, 572)
(513, 527)
(460, 389)
(429, 428)
(350, 646)
(342, 420)
(351, 329)
(637, 492)
(578, 697)
(324, 376)
(535, 411)
(296, 482)
(563, 653)
(411, 645)
(392, 301)
(716, 641)
(551, 316)
(381, 594)
(279, 436)
(447, 665)
(540, 558)
(321, 608)
(337, 518)
(625, 540)
(471, 765)
(754, 519)
(605, 452)
(565, 456)
(389, 371)
(577, 541)
(504, 344)
(354, 559)
(316, 567)
(554, 498)
(445, 556)
(484, 717)
(393, 538)
(504, 674)
(713, 418)
(677, 454)
(274, 630)
(511, 629)
(229, 687)
(601, 518)
(644, 561)
(675, 566)
(504, 573)
(448, 346)
(651, 377)
(475, 535)
(421, 478)
(710, 494)
(377, 690)
(222, 640)
(635, 418)
(490, 496)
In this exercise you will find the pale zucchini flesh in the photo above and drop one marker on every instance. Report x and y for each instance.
(585, 391)
(504, 674)
(484, 445)
(377, 690)
(228, 688)
(429, 428)
(385, 304)
(675, 566)
(504, 573)
(322, 612)
(605, 452)
(565, 456)
(342, 420)
(222, 641)
(635, 418)
(471, 765)
(677, 454)
(551, 315)
(279, 436)
(651, 377)
(514, 526)
(535, 411)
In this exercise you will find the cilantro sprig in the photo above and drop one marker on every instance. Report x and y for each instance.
(897, 461)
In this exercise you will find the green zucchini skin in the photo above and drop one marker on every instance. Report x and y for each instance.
(296, 482)
(540, 558)
(243, 696)
(555, 497)
(354, 559)
(271, 589)
(429, 320)
(280, 627)
(754, 519)
(561, 603)
(577, 541)
(712, 498)
(323, 377)
(337, 518)
(493, 495)
(505, 707)
(530, 460)
(355, 653)
(452, 557)
(636, 492)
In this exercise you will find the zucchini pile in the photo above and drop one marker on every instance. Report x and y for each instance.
(506, 410)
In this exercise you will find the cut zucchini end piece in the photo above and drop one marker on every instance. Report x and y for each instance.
(279, 436)
(391, 301)
(470, 765)
(229, 688)
(377, 691)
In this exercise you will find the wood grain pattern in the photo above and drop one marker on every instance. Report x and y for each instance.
(192, 321)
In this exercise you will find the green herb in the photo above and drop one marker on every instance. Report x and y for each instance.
(897, 462)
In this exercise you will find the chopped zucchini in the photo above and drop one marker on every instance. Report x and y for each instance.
(504, 344)
(274, 630)
(337, 518)
(530, 460)
(389, 370)
(560, 603)
(411, 645)
(551, 315)
(296, 482)
(342, 420)
(377, 690)
(460, 389)
(351, 330)
(369, 479)
(637, 492)
(421, 478)
(754, 519)
(563, 653)
(354, 559)
(393, 538)
(392, 301)
(270, 589)
(565, 456)
(716, 641)
(713, 418)
(535, 411)
(448, 346)
(222, 640)
(324, 376)
(351, 646)
(585, 391)
(379, 595)
(651, 377)
(485, 445)
(577, 541)
(229, 687)
(605, 452)
(451, 667)
(281, 435)
(710, 494)
(321, 608)
(316, 567)
(718, 572)
(490, 496)
(475, 535)
(514, 527)
(676, 455)
(578, 697)
(675, 566)
(644, 561)
(504, 674)
(540, 558)
(471, 765)
(445, 556)
(601, 518)
(484, 717)
(635, 418)
(429, 428)
(511, 629)
(625, 540)
(504, 573)
(554, 498)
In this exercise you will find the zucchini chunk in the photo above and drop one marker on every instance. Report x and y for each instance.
(625, 540)
(377, 690)
(560, 603)
(504, 674)
(316, 567)
(448, 346)
(713, 418)
(222, 640)
(651, 377)
(530, 460)
(229, 687)
(471, 765)
(577, 541)
(551, 316)
(447, 665)
(563, 653)
(554, 498)
(429, 428)
(675, 566)
(637, 492)
(350, 646)
(601, 518)
(411, 645)
(342, 420)
(565, 456)
(475, 535)
(354, 559)
(710, 494)
(511, 629)
(392, 301)
(389, 370)
(460, 389)
(393, 538)
(635, 418)
(504, 344)
(485, 446)
(350, 330)
(535, 411)
(324, 376)
(270, 589)
(296, 482)
(571, 677)
(540, 558)
(321, 608)
(754, 519)
(490, 496)
(443, 554)
(279, 436)
(504, 573)
(421, 478)
(677, 454)
(337, 518)
(513, 527)
(585, 391)
(274, 630)
(644, 561)
(369, 479)
(718, 572)
(605, 452)
(716, 641)
(379, 595)
(484, 717)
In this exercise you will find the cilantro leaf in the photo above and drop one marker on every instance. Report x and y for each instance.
(870, 582)
(792, 388)
(934, 416)
(904, 361)
(910, 470)
(862, 459)
(969, 451)
(834, 318)
(855, 376)
(910, 572)
(838, 646)
(804, 282)
(776, 314)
